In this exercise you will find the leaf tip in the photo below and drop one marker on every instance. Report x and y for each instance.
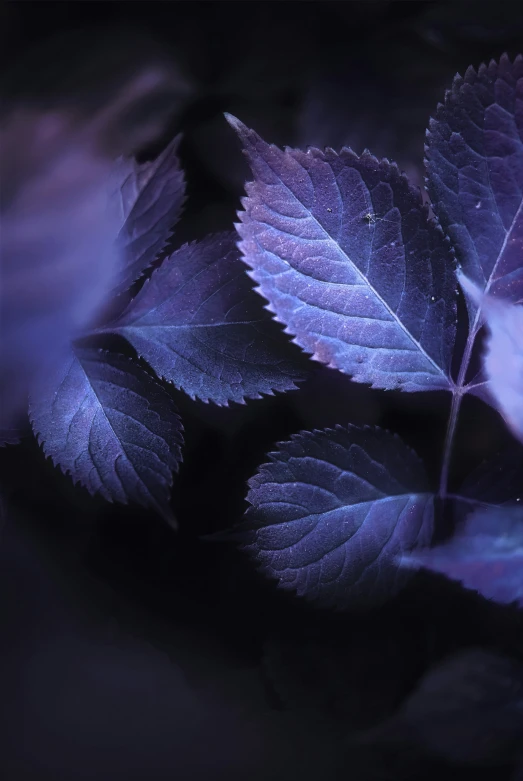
(235, 123)
(469, 287)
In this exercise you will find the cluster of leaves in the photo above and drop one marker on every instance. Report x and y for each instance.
(344, 250)
(101, 416)
(346, 255)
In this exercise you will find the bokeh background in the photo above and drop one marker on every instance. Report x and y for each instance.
(129, 652)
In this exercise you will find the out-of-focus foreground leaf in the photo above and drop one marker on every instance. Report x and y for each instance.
(485, 554)
(503, 355)
(58, 254)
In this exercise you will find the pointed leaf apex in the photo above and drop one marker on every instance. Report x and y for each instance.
(469, 288)
(291, 186)
(235, 123)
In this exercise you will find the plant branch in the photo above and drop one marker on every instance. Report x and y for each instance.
(458, 391)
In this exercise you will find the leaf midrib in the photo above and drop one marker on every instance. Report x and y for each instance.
(341, 251)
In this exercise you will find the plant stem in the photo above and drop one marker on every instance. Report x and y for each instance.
(449, 441)
(458, 392)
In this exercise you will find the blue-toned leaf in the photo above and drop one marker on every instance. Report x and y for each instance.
(503, 356)
(150, 197)
(57, 259)
(475, 174)
(342, 249)
(58, 226)
(466, 710)
(200, 325)
(109, 425)
(331, 512)
(486, 554)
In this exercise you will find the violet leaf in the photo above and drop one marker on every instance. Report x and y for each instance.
(58, 260)
(485, 555)
(342, 249)
(199, 325)
(58, 224)
(474, 164)
(108, 424)
(150, 198)
(332, 510)
(503, 355)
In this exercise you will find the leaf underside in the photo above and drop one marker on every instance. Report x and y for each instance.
(108, 424)
(474, 166)
(342, 249)
(331, 511)
(199, 325)
(150, 197)
(485, 555)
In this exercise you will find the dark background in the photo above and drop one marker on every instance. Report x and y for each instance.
(130, 652)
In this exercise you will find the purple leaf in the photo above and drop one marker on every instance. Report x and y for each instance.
(503, 357)
(200, 325)
(342, 249)
(486, 554)
(58, 260)
(109, 425)
(150, 197)
(58, 227)
(332, 510)
(467, 710)
(475, 174)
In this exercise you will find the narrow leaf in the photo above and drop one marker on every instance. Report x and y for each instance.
(342, 249)
(109, 425)
(474, 170)
(150, 197)
(200, 325)
(331, 511)
(486, 554)
(503, 356)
